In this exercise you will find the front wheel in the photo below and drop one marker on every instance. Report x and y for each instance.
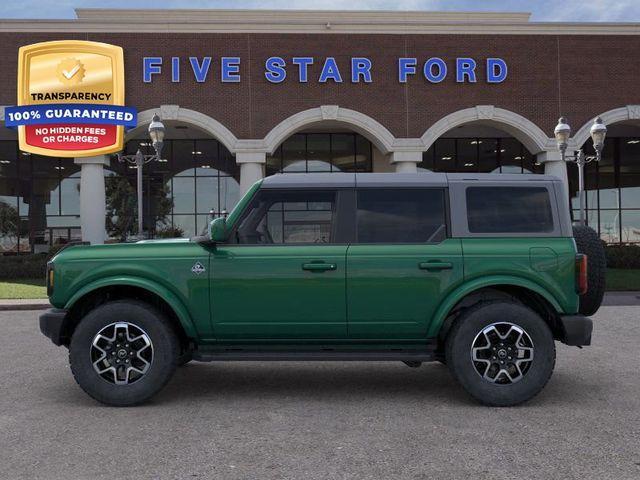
(501, 353)
(123, 352)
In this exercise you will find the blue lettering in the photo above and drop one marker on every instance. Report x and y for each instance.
(406, 66)
(151, 66)
(230, 70)
(428, 70)
(200, 71)
(303, 64)
(496, 70)
(330, 71)
(360, 67)
(175, 69)
(275, 69)
(465, 67)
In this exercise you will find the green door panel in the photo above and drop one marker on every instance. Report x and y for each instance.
(276, 292)
(394, 290)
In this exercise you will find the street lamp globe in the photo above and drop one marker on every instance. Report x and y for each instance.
(562, 133)
(156, 133)
(598, 132)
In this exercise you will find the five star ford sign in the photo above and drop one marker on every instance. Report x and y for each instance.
(71, 99)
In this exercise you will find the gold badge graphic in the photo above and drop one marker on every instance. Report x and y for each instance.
(77, 80)
(70, 71)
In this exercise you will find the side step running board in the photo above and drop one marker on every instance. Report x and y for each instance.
(316, 355)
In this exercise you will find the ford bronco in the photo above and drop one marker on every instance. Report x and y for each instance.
(478, 271)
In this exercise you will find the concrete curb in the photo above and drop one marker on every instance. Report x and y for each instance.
(24, 304)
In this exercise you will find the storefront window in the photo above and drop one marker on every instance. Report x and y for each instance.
(612, 190)
(321, 152)
(484, 155)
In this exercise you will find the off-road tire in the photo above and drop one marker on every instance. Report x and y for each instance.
(589, 243)
(458, 351)
(165, 352)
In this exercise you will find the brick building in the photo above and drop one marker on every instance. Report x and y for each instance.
(251, 93)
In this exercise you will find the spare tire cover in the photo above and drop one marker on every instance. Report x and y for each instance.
(588, 242)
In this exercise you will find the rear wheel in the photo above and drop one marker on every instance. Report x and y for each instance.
(501, 353)
(123, 352)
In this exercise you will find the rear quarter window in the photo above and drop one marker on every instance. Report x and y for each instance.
(509, 210)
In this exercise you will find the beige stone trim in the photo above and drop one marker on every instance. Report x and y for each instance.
(532, 136)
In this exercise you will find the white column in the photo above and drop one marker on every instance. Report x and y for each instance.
(553, 165)
(92, 198)
(406, 162)
(251, 168)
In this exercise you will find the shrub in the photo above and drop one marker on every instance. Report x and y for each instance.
(623, 256)
(170, 232)
(14, 267)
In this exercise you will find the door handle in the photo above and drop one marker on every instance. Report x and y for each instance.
(435, 266)
(319, 266)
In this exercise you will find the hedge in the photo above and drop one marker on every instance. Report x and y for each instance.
(623, 256)
(14, 267)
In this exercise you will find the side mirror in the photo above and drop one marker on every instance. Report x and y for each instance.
(218, 230)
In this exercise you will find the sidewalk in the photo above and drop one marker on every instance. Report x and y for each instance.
(610, 299)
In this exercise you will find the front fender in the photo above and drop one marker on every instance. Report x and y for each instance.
(164, 293)
(469, 287)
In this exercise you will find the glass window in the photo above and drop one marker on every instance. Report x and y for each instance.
(445, 155)
(509, 210)
(343, 152)
(182, 158)
(511, 155)
(467, 154)
(184, 195)
(294, 154)
(288, 217)
(364, 154)
(401, 215)
(207, 198)
(609, 226)
(319, 152)
(630, 223)
(629, 172)
(488, 152)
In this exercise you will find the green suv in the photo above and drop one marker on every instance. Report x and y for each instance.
(480, 272)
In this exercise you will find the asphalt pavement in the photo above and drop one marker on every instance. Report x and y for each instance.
(322, 420)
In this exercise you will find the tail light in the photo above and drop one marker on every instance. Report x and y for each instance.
(50, 278)
(582, 283)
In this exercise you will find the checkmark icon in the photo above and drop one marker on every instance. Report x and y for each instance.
(71, 73)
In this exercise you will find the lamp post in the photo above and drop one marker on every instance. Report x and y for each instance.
(156, 133)
(562, 133)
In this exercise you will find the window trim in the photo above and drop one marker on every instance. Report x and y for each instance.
(232, 238)
(460, 224)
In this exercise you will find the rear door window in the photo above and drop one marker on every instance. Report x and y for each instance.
(509, 210)
(401, 215)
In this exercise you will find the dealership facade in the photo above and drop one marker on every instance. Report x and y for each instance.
(244, 94)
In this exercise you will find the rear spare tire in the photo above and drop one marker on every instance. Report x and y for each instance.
(588, 242)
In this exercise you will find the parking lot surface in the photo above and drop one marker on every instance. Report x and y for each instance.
(322, 420)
